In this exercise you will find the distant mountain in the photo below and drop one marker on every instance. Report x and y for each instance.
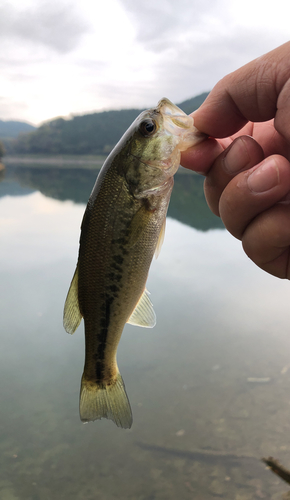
(94, 133)
(10, 128)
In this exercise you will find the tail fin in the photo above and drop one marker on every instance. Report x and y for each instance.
(107, 401)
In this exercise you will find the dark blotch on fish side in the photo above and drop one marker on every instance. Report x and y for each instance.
(117, 268)
(99, 370)
(104, 323)
(117, 277)
(119, 259)
(120, 241)
(100, 353)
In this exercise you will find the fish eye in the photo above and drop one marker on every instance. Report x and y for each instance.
(147, 127)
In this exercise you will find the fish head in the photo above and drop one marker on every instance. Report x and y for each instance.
(155, 141)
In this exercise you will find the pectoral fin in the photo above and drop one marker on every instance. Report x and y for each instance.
(72, 315)
(143, 314)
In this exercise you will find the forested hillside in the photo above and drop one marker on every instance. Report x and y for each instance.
(95, 133)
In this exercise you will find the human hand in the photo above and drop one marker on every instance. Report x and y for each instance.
(247, 164)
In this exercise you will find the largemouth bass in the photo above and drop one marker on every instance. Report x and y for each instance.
(123, 226)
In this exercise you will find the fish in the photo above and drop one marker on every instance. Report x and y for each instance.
(122, 228)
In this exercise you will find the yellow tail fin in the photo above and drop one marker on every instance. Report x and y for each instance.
(106, 401)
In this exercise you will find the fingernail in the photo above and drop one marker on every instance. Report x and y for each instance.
(264, 177)
(237, 157)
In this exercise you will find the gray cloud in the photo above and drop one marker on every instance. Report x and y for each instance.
(159, 23)
(188, 69)
(54, 25)
(197, 43)
(193, 68)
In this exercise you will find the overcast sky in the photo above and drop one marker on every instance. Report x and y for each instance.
(62, 57)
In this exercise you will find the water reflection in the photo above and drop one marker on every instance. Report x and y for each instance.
(187, 202)
(220, 322)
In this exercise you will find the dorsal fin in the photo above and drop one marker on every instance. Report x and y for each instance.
(143, 314)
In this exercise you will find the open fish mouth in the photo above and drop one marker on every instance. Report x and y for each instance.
(178, 123)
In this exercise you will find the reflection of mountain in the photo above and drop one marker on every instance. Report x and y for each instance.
(188, 204)
(62, 184)
(10, 186)
(187, 201)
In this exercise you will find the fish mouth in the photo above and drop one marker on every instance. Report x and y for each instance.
(178, 123)
(174, 114)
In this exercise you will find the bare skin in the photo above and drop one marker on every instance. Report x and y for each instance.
(246, 160)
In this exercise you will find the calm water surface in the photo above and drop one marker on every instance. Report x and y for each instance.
(201, 421)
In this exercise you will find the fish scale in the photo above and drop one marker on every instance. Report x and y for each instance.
(117, 258)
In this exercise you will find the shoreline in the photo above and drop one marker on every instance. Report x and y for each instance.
(88, 162)
(61, 161)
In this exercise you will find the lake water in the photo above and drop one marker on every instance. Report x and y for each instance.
(209, 386)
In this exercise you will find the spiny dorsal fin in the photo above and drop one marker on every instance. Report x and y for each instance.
(160, 239)
(71, 314)
(143, 314)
